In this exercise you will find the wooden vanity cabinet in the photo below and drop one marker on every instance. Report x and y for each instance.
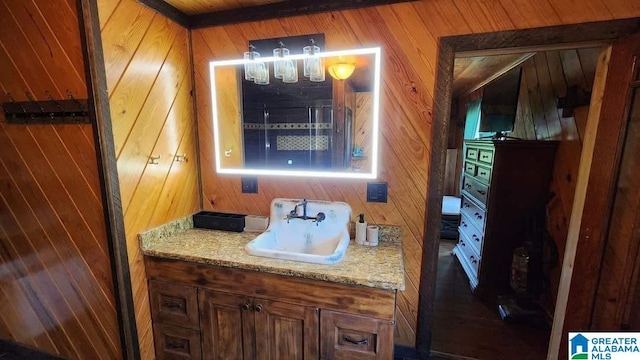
(248, 315)
(237, 327)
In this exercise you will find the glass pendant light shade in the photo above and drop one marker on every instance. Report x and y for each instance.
(341, 71)
(313, 65)
(250, 66)
(279, 65)
(262, 73)
(290, 74)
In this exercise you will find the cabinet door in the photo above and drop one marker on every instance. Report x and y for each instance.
(226, 325)
(353, 337)
(286, 331)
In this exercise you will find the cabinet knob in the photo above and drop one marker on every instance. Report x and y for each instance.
(246, 306)
(258, 308)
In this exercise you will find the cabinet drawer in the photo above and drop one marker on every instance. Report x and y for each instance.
(470, 169)
(347, 337)
(174, 304)
(475, 189)
(475, 214)
(485, 156)
(473, 235)
(173, 342)
(483, 173)
(471, 154)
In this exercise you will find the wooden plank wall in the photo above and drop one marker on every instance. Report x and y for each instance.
(408, 34)
(56, 288)
(149, 81)
(546, 77)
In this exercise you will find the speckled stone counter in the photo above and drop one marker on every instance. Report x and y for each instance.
(380, 267)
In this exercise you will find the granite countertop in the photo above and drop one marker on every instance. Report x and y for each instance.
(379, 266)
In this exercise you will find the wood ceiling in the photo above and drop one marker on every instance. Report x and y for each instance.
(471, 73)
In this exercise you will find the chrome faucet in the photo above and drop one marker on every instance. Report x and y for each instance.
(293, 214)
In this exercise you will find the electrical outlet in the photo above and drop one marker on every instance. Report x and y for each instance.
(377, 192)
(249, 184)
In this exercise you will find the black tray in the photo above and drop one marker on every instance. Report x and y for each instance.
(218, 221)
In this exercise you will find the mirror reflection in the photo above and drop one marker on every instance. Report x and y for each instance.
(313, 114)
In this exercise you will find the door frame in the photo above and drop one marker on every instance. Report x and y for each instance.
(567, 36)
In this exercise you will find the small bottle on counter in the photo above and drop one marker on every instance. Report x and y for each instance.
(361, 230)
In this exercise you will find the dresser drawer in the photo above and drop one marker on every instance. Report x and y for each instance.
(468, 259)
(471, 154)
(483, 173)
(474, 213)
(174, 304)
(475, 189)
(346, 337)
(485, 156)
(470, 169)
(473, 235)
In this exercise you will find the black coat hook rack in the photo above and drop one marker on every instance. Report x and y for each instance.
(68, 111)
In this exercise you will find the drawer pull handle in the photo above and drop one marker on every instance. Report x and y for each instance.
(246, 306)
(355, 342)
(473, 259)
(172, 305)
(481, 192)
(464, 224)
(258, 308)
(468, 186)
(478, 216)
(466, 205)
(483, 173)
(175, 344)
(475, 237)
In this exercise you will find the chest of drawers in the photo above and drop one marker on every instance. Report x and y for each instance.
(504, 183)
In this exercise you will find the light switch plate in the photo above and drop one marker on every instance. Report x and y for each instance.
(377, 192)
(249, 184)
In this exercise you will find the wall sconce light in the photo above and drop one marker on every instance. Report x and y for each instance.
(341, 71)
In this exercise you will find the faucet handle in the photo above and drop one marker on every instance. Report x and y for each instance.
(320, 217)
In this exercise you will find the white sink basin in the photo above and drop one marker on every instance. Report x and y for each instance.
(304, 240)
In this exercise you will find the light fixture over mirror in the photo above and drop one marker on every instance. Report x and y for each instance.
(341, 70)
(310, 128)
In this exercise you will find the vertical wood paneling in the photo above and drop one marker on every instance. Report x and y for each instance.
(546, 77)
(408, 34)
(147, 62)
(57, 288)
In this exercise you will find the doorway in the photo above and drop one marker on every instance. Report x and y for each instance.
(537, 39)
(467, 324)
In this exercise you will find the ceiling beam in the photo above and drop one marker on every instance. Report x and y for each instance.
(259, 12)
(168, 11)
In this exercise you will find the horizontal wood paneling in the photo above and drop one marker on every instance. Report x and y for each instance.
(57, 289)
(148, 65)
(408, 34)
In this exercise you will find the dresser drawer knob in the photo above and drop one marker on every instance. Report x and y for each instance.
(246, 306)
(473, 259)
(478, 216)
(355, 342)
(475, 237)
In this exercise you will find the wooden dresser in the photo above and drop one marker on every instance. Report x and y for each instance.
(504, 183)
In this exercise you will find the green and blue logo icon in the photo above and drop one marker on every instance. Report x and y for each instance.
(604, 346)
(578, 347)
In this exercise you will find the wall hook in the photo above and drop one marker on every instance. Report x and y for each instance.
(227, 152)
(33, 101)
(154, 159)
(180, 158)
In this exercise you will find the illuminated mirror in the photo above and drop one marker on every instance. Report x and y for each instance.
(321, 121)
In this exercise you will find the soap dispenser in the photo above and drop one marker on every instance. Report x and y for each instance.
(361, 230)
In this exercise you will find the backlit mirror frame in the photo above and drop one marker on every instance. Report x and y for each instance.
(373, 174)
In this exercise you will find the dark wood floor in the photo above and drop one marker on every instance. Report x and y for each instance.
(466, 326)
